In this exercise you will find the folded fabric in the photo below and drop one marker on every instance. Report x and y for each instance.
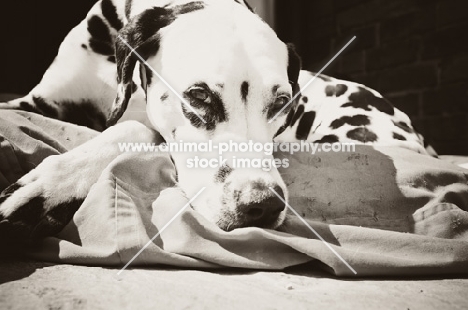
(135, 198)
(379, 210)
(27, 138)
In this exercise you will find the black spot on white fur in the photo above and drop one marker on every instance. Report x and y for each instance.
(222, 174)
(328, 139)
(323, 77)
(356, 120)
(366, 100)
(31, 221)
(101, 40)
(297, 114)
(336, 90)
(46, 108)
(148, 75)
(213, 113)
(26, 106)
(403, 126)
(164, 97)
(109, 11)
(246, 4)
(83, 113)
(244, 91)
(142, 33)
(287, 123)
(305, 125)
(362, 134)
(30, 212)
(294, 67)
(398, 137)
(128, 8)
(8, 191)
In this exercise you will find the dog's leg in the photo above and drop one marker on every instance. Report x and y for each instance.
(43, 201)
(80, 85)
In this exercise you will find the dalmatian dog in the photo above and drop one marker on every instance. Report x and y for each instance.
(231, 69)
(332, 110)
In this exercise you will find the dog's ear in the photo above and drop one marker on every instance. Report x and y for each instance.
(136, 42)
(126, 50)
(294, 68)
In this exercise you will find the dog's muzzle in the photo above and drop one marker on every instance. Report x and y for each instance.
(264, 207)
(252, 203)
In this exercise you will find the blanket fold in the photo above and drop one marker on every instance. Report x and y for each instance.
(380, 210)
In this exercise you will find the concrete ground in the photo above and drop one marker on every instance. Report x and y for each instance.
(35, 285)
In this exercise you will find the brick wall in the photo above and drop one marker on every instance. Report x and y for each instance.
(415, 52)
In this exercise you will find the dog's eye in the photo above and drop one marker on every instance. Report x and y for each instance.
(279, 106)
(200, 94)
(281, 101)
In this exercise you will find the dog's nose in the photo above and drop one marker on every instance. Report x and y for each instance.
(264, 207)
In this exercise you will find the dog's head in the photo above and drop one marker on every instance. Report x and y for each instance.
(234, 72)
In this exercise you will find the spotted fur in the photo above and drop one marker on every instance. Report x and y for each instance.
(233, 71)
(215, 53)
(333, 110)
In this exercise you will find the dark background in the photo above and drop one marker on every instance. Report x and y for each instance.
(415, 52)
(31, 32)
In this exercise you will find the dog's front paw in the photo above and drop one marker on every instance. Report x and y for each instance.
(40, 204)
